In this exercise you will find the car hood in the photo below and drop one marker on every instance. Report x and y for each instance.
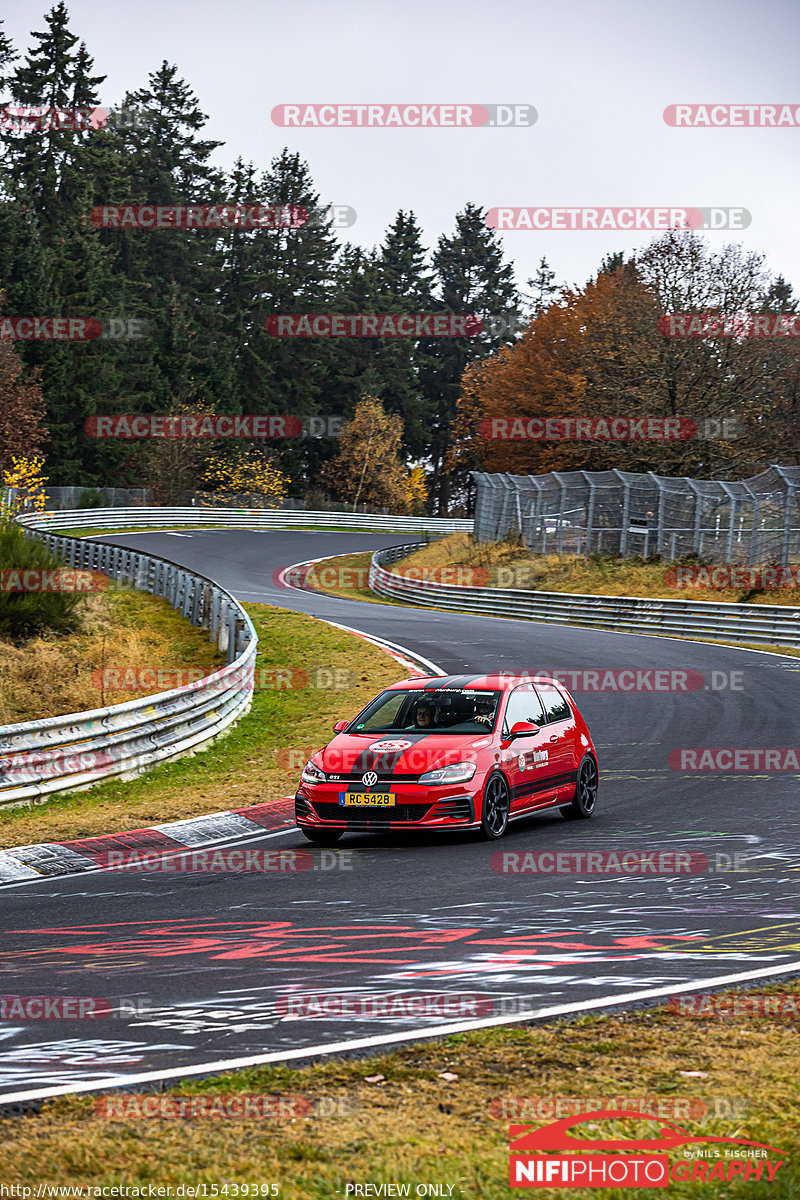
(401, 754)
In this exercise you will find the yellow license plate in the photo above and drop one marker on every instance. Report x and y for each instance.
(366, 799)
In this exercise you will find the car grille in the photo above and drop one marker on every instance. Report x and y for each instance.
(383, 777)
(382, 816)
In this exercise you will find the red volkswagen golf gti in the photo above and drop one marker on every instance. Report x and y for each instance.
(454, 752)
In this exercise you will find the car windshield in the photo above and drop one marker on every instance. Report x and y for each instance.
(439, 710)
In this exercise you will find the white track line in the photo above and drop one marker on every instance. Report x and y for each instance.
(378, 1040)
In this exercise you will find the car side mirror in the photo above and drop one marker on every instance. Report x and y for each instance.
(523, 729)
(340, 725)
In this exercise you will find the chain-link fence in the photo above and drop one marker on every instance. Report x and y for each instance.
(618, 512)
(91, 497)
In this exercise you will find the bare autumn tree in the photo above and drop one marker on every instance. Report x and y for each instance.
(173, 466)
(367, 468)
(22, 407)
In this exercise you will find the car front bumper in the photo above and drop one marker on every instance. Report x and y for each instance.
(429, 808)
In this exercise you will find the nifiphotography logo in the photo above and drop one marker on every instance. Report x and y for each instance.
(632, 1162)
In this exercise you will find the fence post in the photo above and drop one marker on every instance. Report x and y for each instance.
(626, 511)
(697, 540)
(786, 539)
(590, 512)
(562, 505)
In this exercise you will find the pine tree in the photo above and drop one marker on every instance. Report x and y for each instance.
(472, 279)
(543, 287)
(53, 263)
(405, 285)
(279, 271)
(7, 55)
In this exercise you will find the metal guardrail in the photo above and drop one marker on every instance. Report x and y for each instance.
(769, 625)
(65, 753)
(244, 518)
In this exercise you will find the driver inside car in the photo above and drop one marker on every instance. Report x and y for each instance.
(424, 716)
(484, 712)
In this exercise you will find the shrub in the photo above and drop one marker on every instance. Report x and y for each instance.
(24, 614)
(90, 497)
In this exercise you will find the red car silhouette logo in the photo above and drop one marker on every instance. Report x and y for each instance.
(557, 1137)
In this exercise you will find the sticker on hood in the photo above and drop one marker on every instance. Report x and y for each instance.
(380, 747)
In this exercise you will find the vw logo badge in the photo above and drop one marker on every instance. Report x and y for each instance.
(369, 779)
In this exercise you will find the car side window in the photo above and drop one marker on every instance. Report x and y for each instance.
(555, 706)
(523, 705)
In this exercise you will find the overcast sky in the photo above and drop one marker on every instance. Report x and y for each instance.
(599, 75)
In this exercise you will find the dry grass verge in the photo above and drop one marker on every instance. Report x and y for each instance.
(507, 564)
(255, 762)
(421, 1114)
(123, 635)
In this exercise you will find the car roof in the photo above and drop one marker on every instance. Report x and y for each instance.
(499, 682)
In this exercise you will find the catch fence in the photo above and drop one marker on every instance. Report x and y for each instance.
(750, 522)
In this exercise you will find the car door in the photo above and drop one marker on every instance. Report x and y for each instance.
(528, 760)
(561, 733)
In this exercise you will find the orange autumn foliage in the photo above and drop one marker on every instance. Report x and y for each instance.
(594, 353)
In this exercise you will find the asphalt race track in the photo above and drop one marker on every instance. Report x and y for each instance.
(219, 959)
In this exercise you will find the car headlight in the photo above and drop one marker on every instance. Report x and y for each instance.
(456, 773)
(312, 773)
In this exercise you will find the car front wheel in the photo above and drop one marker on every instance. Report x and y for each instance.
(495, 807)
(585, 799)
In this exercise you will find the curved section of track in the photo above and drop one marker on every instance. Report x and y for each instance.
(222, 965)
